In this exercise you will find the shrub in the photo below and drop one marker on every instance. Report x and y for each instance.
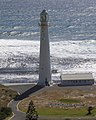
(2, 116)
(5, 112)
(90, 108)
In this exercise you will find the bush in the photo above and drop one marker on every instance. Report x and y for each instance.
(5, 112)
(2, 116)
(90, 108)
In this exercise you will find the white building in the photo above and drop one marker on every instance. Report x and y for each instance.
(44, 65)
(78, 79)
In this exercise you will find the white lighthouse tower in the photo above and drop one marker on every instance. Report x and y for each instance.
(44, 67)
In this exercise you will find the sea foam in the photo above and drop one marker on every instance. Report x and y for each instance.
(66, 57)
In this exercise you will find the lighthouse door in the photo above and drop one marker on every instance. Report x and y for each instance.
(46, 82)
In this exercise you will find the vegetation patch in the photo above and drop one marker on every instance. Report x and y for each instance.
(60, 101)
(5, 112)
(65, 112)
(69, 101)
(6, 95)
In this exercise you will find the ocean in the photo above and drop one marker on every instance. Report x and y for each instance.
(72, 34)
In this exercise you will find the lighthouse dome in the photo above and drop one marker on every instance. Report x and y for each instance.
(44, 16)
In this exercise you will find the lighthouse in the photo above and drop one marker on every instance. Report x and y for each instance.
(44, 59)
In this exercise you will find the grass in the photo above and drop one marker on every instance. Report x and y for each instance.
(69, 101)
(64, 112)
(61, 112)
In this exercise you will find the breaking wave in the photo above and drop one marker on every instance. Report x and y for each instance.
(22, 57)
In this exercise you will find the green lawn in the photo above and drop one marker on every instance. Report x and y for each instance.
(69, 101)
(74, 112)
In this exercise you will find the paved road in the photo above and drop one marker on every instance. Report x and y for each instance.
(25, 91)
(17, 114)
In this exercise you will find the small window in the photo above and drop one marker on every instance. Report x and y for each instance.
(85, 81)
(76, 81)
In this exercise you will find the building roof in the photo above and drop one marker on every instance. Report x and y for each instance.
(77, 76)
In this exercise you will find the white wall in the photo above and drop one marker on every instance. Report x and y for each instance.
(44, 68)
